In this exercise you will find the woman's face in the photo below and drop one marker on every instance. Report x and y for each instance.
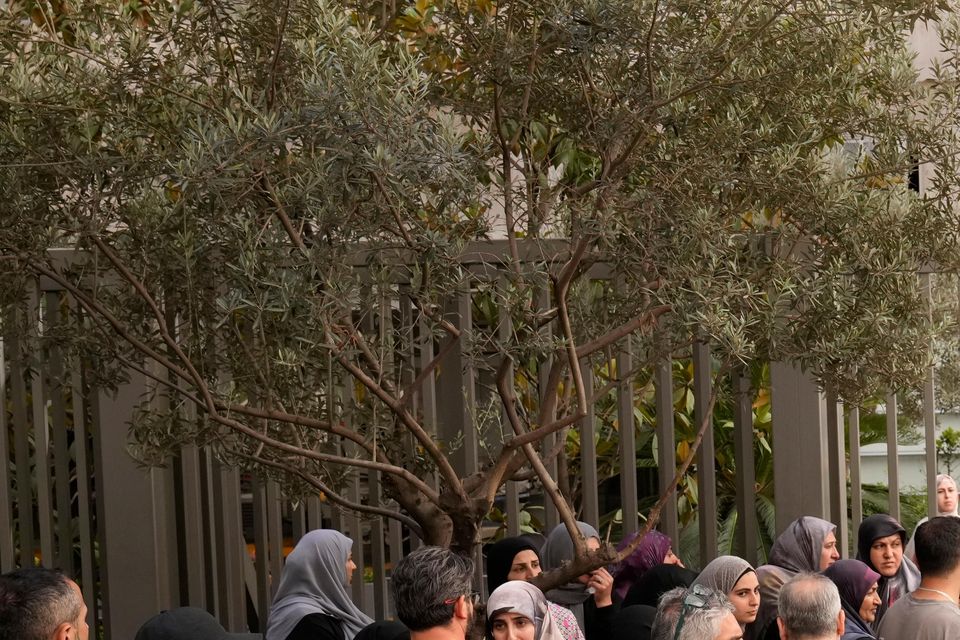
(512, 626)
(745, 598)
(671, 558)
(946, 497)
(886, 554)
(350, 567)
(829, 553)
(870, 604)
(525, 565)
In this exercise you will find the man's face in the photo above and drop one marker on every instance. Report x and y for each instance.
(729, 629)
(83, 630)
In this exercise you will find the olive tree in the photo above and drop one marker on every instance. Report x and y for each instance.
(245, 189)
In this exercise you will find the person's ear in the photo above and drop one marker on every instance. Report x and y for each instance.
(63, 632)
(461, 608)
(783, 629)
(841, 623)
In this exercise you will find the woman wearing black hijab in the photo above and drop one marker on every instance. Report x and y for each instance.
(655, 582)
(880, 544)
(519, 559)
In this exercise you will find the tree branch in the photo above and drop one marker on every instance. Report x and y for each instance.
(508, 398)
(334, 497)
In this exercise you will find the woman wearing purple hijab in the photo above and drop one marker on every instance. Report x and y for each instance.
(857, 584)
(655, 548)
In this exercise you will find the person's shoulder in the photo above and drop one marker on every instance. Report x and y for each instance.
(317, 626)
(566, 621)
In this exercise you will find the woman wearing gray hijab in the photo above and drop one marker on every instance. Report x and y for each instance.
(312, 602)
(590, 596)
(737, 579)
(807, 545)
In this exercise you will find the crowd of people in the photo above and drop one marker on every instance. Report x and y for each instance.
(896, 589)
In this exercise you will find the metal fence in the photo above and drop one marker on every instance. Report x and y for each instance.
(195, 532)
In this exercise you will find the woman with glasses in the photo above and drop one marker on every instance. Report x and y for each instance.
(735, 578)
(517, 558)
(590, 596)
(857, 584)
(312, 602)
(517, 610)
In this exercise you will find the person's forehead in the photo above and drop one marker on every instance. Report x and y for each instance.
(730, 629)
(525, 555)
(893, 537)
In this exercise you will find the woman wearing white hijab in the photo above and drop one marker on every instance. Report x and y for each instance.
(737, 579)
(312, 602)
(946, 506)
(517, 610)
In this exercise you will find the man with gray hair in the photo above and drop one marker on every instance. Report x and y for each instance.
(41, 604)
(432, 592)
(697, 613)
(809, 609)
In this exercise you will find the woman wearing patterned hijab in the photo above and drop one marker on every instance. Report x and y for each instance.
(517, 609)
(737, 579)
(312, 602)
(857, 584)
(807, 545)
(590, 596)
(517, 558)
(880, 543)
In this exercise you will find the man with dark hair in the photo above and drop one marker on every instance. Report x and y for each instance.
(930, 612)
(809, 609)
(41, 604)
(432, 592)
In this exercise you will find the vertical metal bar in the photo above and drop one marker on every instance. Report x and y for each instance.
(893, 457)
(61, 454)
(471, 444)
(128, 566)
(21, 444)
(666, 446)
(504, 335)
(856, 489)
(550, 514)
(354, 526)
(274, 536)
(377, 554)
(929, 409)
(588, 452)
(314, 519)
(837, 464)
(261, 598)
(7, 559)
(230, 580)
(628, 438)
(706, 455)
(41, 432)
(799, 437)
(747, 526)
(84, 472)
(192, 542)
